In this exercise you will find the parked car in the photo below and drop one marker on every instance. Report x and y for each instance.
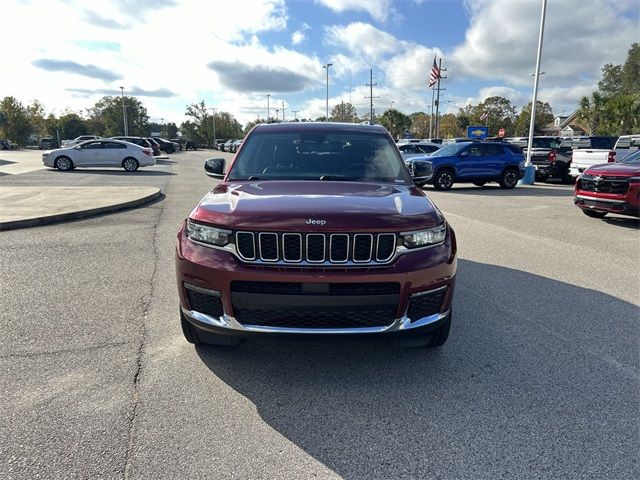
(217, 144)
(311, 196)
(610, 188)
(447, 141)
(225, 147)
(5, 144)
(593, 141)
(47, 143)
(477, 163)
(155, 146)
(550, 156)
(584, 158)
(190, 145)
(142, 142)
(408, 150)
(236, 145)
(165, 145)
(180, 142)
(80, 139)
(99, 153)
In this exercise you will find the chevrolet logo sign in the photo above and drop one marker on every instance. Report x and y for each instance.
(477, 133)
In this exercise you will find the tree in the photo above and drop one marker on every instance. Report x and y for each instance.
(449, 126)
(172, 130)
(419, 125)
(395, 122)
(501, 114)
(252, 124)
(106, 116)
(37, 120)
(189, 130)
(544, 115)
(343, 112)
(15, 122)
(591, 111)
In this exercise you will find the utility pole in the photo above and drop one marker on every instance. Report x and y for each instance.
(433, 92)
(371, 97)
(283, 117)
(162, 123)
(213, 121)
(268, 111)
(326, 66)
(295, 114)
(438, 97)
(277, 111)
(124, 114)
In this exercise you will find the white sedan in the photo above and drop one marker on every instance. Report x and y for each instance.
(100, 153)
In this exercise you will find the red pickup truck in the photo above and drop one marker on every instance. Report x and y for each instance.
(315, 229)
(610, 188)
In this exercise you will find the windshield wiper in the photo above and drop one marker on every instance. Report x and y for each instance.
(334, 178)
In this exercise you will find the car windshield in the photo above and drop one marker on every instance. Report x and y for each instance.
(319, 156)
(450, 149)
(546, 143)
(633, 159)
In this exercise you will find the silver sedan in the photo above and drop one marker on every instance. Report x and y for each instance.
(100, 153)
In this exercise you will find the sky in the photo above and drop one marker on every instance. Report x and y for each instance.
(232, 53)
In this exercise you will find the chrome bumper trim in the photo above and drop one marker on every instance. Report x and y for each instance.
(596, 199)
(229, 322)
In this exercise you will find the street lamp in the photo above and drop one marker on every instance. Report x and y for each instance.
(162, 123)
(277, 111)
(529, 169)
(124, 114)
(326, 66)
(213, 121)
(268, 110)
(392, 102)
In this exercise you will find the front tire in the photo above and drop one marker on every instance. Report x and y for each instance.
(594, 213)
(130, 164)
(508, 179)
(64, 164)
(443, 180)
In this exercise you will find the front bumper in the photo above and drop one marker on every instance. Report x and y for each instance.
(611, 205)
(419, 275)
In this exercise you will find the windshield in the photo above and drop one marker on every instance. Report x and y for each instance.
(319, 156)
(450, 149)
(633, 159)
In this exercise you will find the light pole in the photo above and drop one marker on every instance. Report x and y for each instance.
(162, 123)
(283, 118)
(295, 114)
(124, 114)
(392, 102)
(529, 169)
(277, 111)
(326, 67)
(213, 121)
(268, 111)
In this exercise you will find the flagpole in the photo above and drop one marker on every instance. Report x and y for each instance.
(438, 99)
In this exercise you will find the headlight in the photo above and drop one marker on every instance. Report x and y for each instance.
(424, 238)
(206, 234)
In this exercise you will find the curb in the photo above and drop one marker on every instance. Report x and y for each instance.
(63, 217)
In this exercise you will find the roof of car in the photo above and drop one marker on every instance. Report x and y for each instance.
(319, 127)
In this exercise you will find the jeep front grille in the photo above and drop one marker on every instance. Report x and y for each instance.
(316, 249)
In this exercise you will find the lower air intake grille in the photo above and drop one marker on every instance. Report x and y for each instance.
(204, 303)
(426, 304)
(315, 318)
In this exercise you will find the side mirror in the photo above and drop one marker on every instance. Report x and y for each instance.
(77, 147)
(214, 167)
(464, 154)
(422, 171)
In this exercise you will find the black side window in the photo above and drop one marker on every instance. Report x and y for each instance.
(114, 145)
(474, 151)
(491, 150)
(93, 145)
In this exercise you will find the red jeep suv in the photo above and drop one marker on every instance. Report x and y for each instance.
(610, 188)
(316, 229)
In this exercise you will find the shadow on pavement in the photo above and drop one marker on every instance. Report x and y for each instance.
(538, 375)
(495, 190)
(625, 222)
(6, 162)
(137, 173)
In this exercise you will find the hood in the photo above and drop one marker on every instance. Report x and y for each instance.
(314, 206)
(614, 169)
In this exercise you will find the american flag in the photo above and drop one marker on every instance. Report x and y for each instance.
(484, 116)
(435, 74)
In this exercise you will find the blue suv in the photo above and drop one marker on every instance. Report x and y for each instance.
(477, 163)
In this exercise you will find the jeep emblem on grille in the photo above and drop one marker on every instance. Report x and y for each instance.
(311, 221)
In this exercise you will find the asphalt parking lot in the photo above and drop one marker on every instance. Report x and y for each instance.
(539, 378)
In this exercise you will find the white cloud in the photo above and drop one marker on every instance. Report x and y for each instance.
(580, 36)
(363, 40)
(299, 35)
(380, 10)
